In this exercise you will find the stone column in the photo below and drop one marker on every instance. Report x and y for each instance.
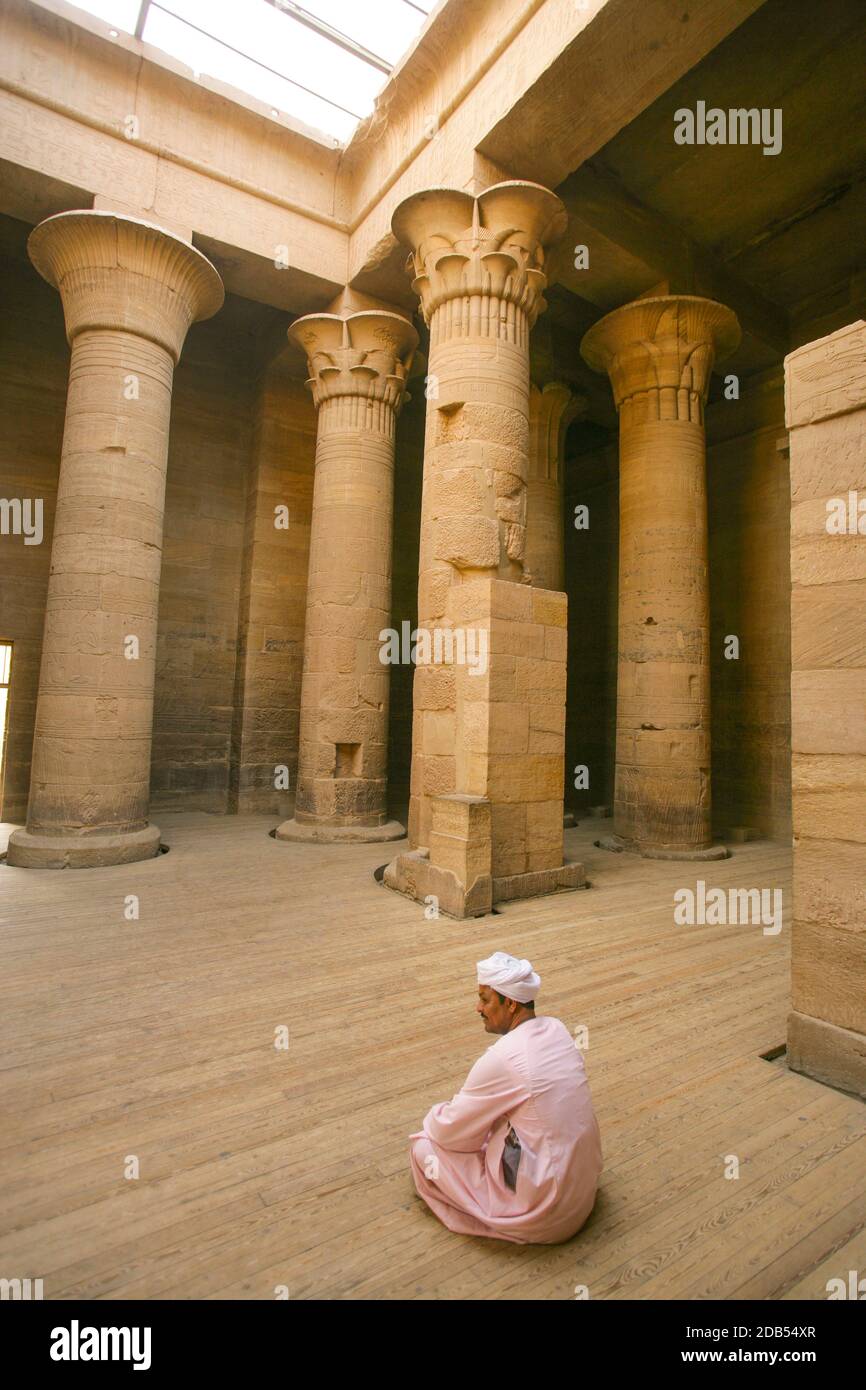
(551, 410)
(478, 269)
(659, 354)
(358, 367)
(130, 291)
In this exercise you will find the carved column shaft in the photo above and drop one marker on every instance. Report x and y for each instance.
(358, 369)
(89, 689)
(130, 291)
(659, 354)
(477, 265)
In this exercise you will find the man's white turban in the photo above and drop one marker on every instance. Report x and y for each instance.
(514, 978)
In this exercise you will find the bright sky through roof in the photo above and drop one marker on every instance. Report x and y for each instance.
(274, 57)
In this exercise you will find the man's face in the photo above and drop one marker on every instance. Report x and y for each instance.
(497, 1017)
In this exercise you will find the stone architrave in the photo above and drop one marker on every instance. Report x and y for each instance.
(358, 368)
(477, 264)
(659, 353)
(825, 399)
(130, 292)
(551, 410)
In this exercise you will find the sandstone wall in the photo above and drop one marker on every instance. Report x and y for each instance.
(267, 697)
(826, 407)
(749, 529)
(210, 441)
(34, 366)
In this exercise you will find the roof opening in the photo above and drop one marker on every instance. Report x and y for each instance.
(322, 62)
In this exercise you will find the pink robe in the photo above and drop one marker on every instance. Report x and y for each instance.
(533, 1081)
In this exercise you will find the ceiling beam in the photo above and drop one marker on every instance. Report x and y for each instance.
(632, 249)
(584, 96)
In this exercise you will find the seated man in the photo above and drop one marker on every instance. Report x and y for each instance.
(516, 1154)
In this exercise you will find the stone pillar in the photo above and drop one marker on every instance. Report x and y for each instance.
(358, 367)
(551, 410)
(130, 291)
(825, 396)
(489, 707)
(500, 836)
(659, 354)
(270, 657)
(478, 268)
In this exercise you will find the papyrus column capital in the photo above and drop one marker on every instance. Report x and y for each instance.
(664, 346)
(122, 273)
(367, 354)
(491, 246)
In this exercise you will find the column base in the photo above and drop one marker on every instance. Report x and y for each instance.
(537, 883)
(31, 850)
(617, 845)
(415, 877)
(323, 834)
(828, 1053)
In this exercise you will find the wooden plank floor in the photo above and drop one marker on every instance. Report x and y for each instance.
(262, 1167)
